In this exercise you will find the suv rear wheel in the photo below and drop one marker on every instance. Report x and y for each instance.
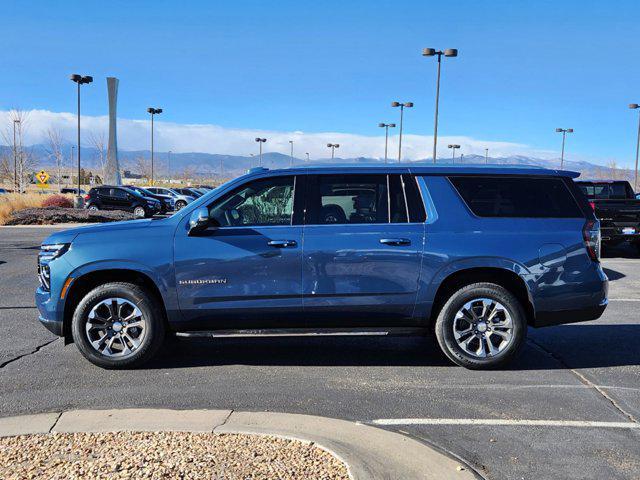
(481, 326)
(117, 325)
(139, 212)
(180, 204)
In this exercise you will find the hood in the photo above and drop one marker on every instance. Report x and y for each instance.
(67, 236)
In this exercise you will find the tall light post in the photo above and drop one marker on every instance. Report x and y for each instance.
(291, 159)
(486, 155)
(401, 105)
(79, 80)
(153, 112)
(453, 149)
(260, 142)
(635, 106)
(386, 127)
(333, 147)
(307, 154)
(564, 132)
(169, 165)
(432, 52)
(15, 156)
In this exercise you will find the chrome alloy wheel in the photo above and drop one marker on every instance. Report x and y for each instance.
(483, 328)
(115, 327)
(138, 212)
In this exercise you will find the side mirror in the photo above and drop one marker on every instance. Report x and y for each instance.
(199, 220)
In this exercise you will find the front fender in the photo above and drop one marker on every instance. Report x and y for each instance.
(164, 282)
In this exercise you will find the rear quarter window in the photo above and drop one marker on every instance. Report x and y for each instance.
(530, 197)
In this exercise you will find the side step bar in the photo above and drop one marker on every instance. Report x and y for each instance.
(304, 332)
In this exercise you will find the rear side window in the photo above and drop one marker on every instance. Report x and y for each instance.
(532, 197)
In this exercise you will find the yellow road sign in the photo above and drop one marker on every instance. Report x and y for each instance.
(42, 177)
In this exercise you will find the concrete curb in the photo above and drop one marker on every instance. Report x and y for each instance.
(369, 452)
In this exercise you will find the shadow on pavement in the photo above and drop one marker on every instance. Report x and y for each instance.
(613, 275)
(574, 346)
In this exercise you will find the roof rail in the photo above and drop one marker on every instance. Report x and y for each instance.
(257, 169)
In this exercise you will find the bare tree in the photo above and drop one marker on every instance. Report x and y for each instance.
(24, 160)
(142, 166)
(54, 148)
(97, 141)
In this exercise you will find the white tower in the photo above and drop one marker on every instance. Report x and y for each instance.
(112, 168)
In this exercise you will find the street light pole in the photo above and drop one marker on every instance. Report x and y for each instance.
(386, 136)
(431, 52)
(153, 111)
(453, 148)
(307, 154)
(260, 142)
(564, 132)
(291, 159)
(486, 155)
(15, 157)
(401, 105)
(169, 165)
(79, 80)
(635, 106)
(333, 147)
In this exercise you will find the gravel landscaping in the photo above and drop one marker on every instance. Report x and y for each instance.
(156, 455)
(54, 215)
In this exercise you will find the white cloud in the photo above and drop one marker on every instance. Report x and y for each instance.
(206, 138)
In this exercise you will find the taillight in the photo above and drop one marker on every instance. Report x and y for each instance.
(591, 235)
(593, 206)
(86, 198)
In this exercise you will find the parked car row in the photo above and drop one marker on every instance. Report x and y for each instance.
(142, 202)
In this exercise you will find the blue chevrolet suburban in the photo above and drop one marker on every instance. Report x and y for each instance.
(473, 254)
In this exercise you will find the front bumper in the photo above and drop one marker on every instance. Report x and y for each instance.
(48, 312)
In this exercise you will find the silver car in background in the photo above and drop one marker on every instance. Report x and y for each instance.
(180, 200)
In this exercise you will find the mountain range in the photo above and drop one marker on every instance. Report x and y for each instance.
(210, 165)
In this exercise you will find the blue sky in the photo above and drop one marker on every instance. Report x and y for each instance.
(524, 68)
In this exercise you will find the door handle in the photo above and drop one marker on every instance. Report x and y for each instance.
(282, 243)
(396, 242)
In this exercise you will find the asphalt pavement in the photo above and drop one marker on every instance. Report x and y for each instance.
(569, 407)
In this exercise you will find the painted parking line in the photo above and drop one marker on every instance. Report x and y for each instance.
(508, 423)
(624, 299)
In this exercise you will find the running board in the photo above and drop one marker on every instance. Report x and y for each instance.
(304, 332)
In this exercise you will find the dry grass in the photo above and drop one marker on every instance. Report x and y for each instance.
(12, 202)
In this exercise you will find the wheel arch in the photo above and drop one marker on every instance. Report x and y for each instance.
(83, 284)
(505, 277)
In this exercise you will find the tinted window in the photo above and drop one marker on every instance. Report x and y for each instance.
(517, 197)
(267, 201)
(414, 199)
(117, 193)
(341, 199)
(398, 204)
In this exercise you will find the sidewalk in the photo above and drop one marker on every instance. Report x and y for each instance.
(369, 452)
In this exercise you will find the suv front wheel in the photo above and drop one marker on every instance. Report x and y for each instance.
(118, 325)
(481, 326)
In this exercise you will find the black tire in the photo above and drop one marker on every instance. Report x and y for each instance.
(180, 204)
(445, 324)
(146, 303)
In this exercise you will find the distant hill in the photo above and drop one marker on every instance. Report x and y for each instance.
(209, 165)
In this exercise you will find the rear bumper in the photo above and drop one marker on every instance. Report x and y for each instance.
(547, 319)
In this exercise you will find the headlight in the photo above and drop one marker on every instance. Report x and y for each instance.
(48, 253)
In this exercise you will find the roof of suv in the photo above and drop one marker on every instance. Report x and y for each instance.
(420, 168)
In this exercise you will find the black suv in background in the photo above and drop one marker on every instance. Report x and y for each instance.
(121, 198)
(616, 206)
(166, 202)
